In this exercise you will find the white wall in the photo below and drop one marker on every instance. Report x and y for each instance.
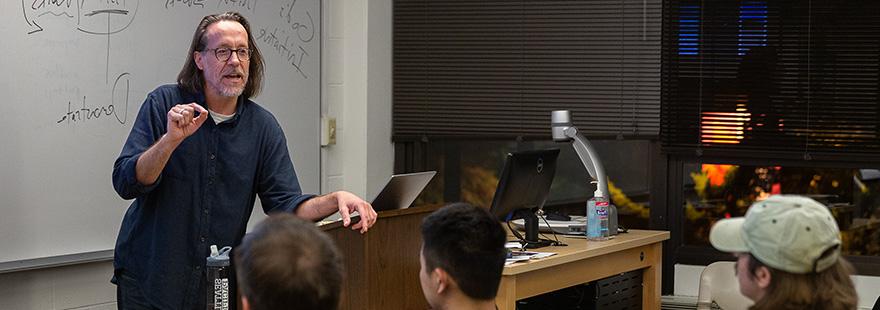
(357, 92)
(85, 286)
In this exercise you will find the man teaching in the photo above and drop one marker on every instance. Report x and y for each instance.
(199, 153)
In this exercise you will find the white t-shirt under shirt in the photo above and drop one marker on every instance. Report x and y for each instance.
(219, 118)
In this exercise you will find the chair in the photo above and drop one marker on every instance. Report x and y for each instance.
(720, 287)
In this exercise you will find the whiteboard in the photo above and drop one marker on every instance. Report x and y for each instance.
(76, 72)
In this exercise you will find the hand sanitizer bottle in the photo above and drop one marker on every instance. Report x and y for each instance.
(597, 217)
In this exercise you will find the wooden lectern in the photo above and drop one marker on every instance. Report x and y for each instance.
(382, 266)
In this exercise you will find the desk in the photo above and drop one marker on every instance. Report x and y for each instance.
(382, 266)
(583, 261)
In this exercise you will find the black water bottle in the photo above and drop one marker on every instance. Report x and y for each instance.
(217, 272)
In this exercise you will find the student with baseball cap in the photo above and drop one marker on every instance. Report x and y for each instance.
(788, 255)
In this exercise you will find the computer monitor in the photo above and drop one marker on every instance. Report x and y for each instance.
(524, 184)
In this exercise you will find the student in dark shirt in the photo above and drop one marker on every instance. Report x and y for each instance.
(287, 263)
(462, 257)
(198, 155)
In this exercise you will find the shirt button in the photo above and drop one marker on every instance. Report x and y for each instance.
(198, 267)
(202, 239)
(205, 210)
(212, 156)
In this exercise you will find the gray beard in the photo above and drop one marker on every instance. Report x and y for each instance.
(234, 92)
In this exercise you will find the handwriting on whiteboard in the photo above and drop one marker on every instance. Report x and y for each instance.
(187, 3)
(249, 5)
(290, 41)
(92, 17)
(118, 106)
(304, 28)
(292, 53)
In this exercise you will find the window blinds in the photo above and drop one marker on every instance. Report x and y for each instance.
(479, 69)
(797, 77)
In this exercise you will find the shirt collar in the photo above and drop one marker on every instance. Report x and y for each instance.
(199, 98)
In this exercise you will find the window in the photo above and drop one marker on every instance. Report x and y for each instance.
(796, 78)
(762, 97)
(752, 26)
(468, 171)
(717, 191)
(689, 31)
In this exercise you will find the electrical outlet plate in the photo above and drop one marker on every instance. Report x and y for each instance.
(328, 131)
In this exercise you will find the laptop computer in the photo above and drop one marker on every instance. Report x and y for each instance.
(576, 226)
(401, 190)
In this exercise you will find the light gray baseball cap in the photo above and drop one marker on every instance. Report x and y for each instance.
(787, 232)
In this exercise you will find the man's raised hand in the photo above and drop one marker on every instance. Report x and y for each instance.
(183, 122)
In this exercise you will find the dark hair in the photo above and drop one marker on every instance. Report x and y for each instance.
(830, 289)
(468, 243)
(190, 77)
(288, 262)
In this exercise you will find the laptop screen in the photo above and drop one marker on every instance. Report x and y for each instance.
(401, 190)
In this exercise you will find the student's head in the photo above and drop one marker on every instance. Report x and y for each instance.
(462, 251)
(223, 58)
(287, 262)
(788, 254)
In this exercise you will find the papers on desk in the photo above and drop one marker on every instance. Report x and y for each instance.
(518, 256)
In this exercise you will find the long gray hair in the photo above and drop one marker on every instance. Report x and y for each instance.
(190, 77)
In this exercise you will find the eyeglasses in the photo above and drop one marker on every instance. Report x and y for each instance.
(223, 53)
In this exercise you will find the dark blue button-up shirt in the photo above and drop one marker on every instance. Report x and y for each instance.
(204, 195)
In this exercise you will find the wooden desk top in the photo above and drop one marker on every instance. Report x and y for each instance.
(335, 224)
(581, 248)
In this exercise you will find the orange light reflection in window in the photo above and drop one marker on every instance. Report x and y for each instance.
(716, 173)
(724, 127)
